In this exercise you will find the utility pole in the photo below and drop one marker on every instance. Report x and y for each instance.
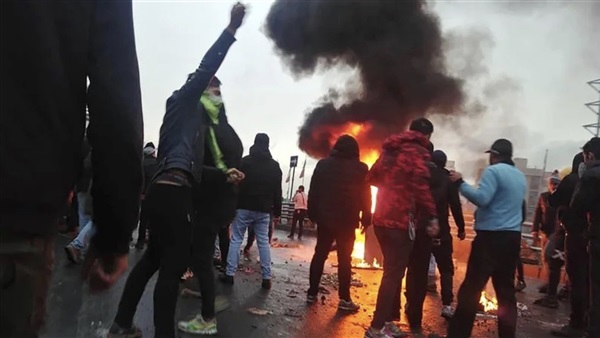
(594, 106)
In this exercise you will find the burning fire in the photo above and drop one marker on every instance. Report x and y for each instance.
(488, 304)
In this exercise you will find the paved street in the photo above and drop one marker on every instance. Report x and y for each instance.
(72, 312)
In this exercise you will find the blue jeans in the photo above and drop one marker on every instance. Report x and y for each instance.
(260, 222)
(84, 218)
(82, 241)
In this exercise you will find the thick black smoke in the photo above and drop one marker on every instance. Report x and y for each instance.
(396, 48)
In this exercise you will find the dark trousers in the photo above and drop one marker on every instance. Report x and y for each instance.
(443, 258)
(344, 237)
(168, 252)
(26, 265)
(520, 273)
(594, 315)
(554, 264)
(299, 216)
(578, 271)
(493, 254)
(224, 241)
(396, 246)
(144, 219)
(252, 235)
(416, 279)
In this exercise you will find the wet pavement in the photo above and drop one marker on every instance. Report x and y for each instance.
(73, 312)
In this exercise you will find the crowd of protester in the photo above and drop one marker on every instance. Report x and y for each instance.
(196, 193)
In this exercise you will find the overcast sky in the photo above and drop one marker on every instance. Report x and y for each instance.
(536, 62)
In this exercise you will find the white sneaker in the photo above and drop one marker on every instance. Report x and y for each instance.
(447, 311)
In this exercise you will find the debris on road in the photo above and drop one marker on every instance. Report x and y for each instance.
(259, 312)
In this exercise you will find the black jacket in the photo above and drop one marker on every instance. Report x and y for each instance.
(49, 51)
(261, 189)
(586, 199)
(573, 222)
(150, 165)
(545, 215)
(216, 200)
(339, 191)
(85, 173)
(446, 197)
(183, 131)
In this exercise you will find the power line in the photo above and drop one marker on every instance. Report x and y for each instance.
(594, 106)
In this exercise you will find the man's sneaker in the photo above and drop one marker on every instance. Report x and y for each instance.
(118, 332)
(563, 293)
(520, 286)
(394, 330)
(550, 302)
(199, 326)
(311, 299)
(73, 254)
(568, 331)
(373, 333)
(226, 279)
(447, 312)
(348, 305)
(291, 236)
(266, 284)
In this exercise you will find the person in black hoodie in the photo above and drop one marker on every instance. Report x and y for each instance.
(150, 166)
(260, 194)
(340, 200)
(443, 249)
(577, 257)
(586, 200)
(170, 195)
(50, 51)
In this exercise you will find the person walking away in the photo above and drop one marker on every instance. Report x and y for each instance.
(169, 196)
(587, 200)
(260, 193)
(577, 257)
(338, 180)
(150, 166)
(214, 202)
(43, 111)
(402, 178)
(495, 250)
(443, 248)
(300, 200)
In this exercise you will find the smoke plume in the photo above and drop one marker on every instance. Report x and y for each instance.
(394, 46)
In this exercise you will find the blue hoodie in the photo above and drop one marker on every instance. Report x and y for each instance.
(499, 198)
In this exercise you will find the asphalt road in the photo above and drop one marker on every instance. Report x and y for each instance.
(73, 312)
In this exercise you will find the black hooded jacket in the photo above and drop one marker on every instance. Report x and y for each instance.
(261, 189)
(446, 197)
(573, 223)
(339, 191)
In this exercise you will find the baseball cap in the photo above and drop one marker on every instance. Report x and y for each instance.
(501, 147)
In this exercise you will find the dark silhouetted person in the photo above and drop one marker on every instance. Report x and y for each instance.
(50, 50)
(339, 195)
(150, 166)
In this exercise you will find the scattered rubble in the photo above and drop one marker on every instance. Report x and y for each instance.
(259, 312)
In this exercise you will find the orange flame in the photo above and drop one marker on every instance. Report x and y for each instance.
(489, 304)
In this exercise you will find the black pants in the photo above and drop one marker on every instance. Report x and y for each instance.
(396, 246)
(170, 212)
(224, 241)
(493, 254)
(555, 264)
(326, 235)
(144, 219)
(520, 273)
(298, 217)
(578, 271)
(594, 315)
(443, 258)
(416, 279)
(252, 236)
